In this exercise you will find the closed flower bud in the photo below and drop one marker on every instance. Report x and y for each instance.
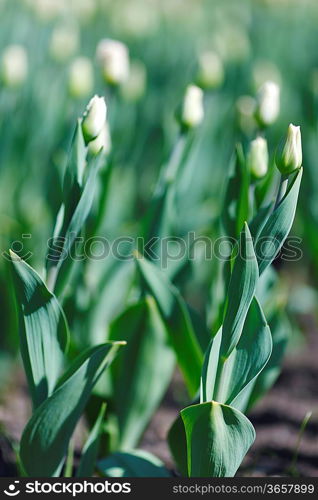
(102, 142)
(268, 103)
(257, 158)
(192, 110)
(81, 77)
(14, 65)
(210, 71)
(114, 60)
(94, 118)
(289, 158)
(64, 42)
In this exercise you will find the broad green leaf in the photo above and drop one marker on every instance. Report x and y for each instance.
(46, 436)
(135, 463)
(240, 293)
(142, 375)
(218, 438)
(249, 357)
(273, 234)
(226, 381)
(280, 329)
(178, 445)
(43, 331)
(177, 322)
(91, 447)
(236, 203)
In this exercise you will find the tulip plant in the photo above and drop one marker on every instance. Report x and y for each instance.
(118, 384)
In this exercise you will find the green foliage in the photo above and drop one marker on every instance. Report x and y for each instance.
(43, 331)
(46, 437)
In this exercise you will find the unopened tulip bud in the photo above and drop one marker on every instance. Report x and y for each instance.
(81, 77)
(290, 157)
(94, 118)
(268, 103)
(257, 158)
(114, 60)
(102, 142)
(211, 71)
(64, 42)
(14, 65)
(192, 109)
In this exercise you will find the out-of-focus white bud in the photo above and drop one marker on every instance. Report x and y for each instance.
(81, 77)
(257, 158)
(211, 70)
(46, 10)
(114, 60)
(268, 103)
(192, 109)
(136, 19)
(102, 142)
(134, 87)
(289, 157)
(64, 42)
(265, 71)
(94, 118)
(246, 106)
(232, 43)
(14, 65)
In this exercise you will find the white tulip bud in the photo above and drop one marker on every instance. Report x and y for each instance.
(94, 118)
(102, 142)
(47, 10)
(268, 103)
(64, 42)
(245, 107)
(211, 70)
(134, 87)
(192, 109)
(81, 77)
(290, 157)
(14, 65)
(114, 59)
(257, 158)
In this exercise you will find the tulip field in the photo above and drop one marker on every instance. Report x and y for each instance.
(158, 230)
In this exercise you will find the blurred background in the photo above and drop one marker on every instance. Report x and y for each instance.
(49, 69)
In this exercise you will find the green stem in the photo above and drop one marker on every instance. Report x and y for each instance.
(293, 468)
(283, 183)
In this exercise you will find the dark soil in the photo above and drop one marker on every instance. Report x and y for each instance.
(277, 419)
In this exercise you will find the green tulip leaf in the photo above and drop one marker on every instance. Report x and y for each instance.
(142, 375)
(218, 437)
(43, 331)
(46, 436)
(240, 294)
(135, 463)
(90, 450)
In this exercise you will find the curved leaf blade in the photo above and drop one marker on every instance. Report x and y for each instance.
(90, 450)
(47, 434)
(273, 234)
(240, 294)
(218, 438)
(43, 330)
(136, 463)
